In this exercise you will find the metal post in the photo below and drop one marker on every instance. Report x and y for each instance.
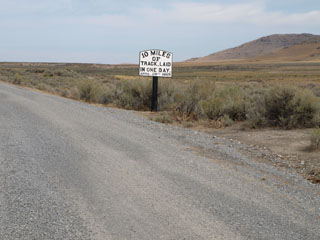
(154, 104)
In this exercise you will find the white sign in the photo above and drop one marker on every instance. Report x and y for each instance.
(155, 63)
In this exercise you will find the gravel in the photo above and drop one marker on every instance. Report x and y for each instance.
(69, 170)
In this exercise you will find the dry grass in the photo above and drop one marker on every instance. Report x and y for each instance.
(315, 139)
(225, 92)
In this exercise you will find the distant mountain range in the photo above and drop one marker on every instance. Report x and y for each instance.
(285, 47)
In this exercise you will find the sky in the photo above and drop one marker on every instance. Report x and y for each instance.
(114, 32)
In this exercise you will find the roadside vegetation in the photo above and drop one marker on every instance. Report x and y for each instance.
(315, 139)
(257, 95)
(260, 95)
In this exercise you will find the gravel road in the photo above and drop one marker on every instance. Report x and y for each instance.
(70, 170)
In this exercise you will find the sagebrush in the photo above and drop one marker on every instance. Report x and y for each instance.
(224, 94)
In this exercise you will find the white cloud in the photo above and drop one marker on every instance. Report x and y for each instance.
(254, 13)
(301, 19)
(197, 12)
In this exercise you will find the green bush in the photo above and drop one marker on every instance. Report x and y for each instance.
(203, 100)
(17, 79)
(191, 102)
(135, 94)
(255, 108)
(285, 107)
(226, 102)
(110, 93)
(289, 107)
(167, 94)
(188, 103)
(88, 91)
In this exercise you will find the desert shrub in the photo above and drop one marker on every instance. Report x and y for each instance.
(227, 101)
(207, 101)
(64, 92)
(316, 91)
(37, 70)
(166, 95)
(17, 79)
(59, 73)
(255, 108)
(109, 93)
(164, 118)
(291, 107)
(315, 139)
(226, 121)
(189, 103)
(48, 74)
(135, 94)
(279, 106)
(313, 87)
(88, 91)
(74, 93)
(43, 87)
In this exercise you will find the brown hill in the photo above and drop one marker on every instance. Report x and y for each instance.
(260, 47)
(299, 52)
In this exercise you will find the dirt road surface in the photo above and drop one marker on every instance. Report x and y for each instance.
(70, 170)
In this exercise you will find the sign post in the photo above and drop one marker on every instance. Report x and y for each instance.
(155, 63)
(154, 103)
